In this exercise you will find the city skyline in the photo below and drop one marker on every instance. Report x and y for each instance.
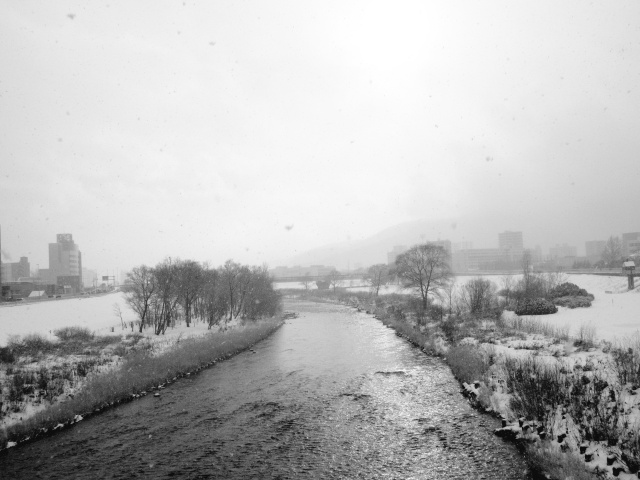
(555, 250)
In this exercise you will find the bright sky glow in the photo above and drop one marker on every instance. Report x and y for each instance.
(203, 129)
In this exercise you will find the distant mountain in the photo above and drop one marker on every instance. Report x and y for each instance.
(374, 249)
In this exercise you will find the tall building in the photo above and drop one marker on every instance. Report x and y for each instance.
(634, 248)
(65, 263)
(630, 243)
(512, 245)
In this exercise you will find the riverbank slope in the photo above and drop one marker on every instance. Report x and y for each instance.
(52, 397)
(570, 401)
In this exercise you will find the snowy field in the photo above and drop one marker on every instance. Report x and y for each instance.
(95, 313)
(615, 312)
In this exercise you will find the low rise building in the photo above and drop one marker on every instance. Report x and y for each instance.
(481, 259)
(11, 271)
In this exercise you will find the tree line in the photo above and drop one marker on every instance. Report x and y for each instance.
(176, 290)
(425, 269)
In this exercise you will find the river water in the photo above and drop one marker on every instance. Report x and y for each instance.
(332, 394)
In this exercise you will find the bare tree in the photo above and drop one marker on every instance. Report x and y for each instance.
(612, 253)
(139, 290)
(117, 311)
(261, 299)
(378, 275)
(162, 294)
(188, 282)
(478, 295)
(527, 266)
(165, 301)
(334, 279)
(531, 285)
(552, 279)
(425, 269)
(306, 281)
(236, 279)
(213, 298)
(449, 294)
(508, 287)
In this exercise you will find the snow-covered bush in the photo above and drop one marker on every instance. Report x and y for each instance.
(568, 289)
(80, 334)
(536, 306)
(573, 302)
(627, 362)
(31, 344)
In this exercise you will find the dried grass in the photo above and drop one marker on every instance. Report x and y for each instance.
(140, 372)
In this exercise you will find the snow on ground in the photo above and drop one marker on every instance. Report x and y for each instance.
(615, 312)
(97, 313)
(614, 315)
(293, 285)
(93, 312)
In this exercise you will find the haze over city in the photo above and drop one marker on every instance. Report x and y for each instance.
(260, 130)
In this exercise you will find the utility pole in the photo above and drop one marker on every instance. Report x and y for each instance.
(629, 266)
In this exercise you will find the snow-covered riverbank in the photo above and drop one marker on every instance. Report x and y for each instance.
(614, 314)
(569, 396)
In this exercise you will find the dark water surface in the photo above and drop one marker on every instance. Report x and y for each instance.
(332, 394)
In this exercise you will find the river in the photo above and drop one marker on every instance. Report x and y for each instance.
(332, 394)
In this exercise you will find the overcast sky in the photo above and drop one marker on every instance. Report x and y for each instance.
(255, 130)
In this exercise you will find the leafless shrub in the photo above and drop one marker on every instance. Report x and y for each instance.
(32, 344)
(586, 336)
(536, 388)
(478, 296)
(69, 334)
(467, 362)
(626, 357)
(117, 311)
